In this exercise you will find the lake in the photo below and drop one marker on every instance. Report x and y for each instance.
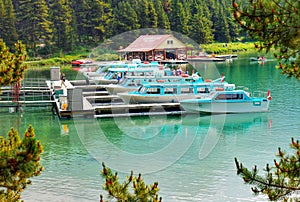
(190, 156)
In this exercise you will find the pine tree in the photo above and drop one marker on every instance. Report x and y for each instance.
(125, 18)
(281, 181)
(34, 24)
(220, 24)
(178, 18)
(2, 19)
(12, 65)
(200, 26)
(8, 23)
(19, 160)
(162, 17)
(100, 14)
(61, 18)
(122, 192)
(274, 25)
(147, 14)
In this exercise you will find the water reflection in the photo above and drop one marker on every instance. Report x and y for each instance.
(132, 142)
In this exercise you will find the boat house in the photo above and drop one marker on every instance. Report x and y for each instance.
(156, 48)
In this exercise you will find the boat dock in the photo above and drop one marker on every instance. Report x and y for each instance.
(79, 99)
(98, 103)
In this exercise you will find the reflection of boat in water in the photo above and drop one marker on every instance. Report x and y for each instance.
(228, 101)
(225, 120)
(218, 125)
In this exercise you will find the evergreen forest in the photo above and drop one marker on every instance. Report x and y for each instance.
(48, 26)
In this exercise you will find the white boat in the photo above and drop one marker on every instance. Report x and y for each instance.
(102, 68)
(228, 101)
(173, 92)
(133, 83)
(117, 74)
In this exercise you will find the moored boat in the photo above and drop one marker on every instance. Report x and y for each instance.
(81, 61)
(132, 83)
(228, 101)
(117, 74)
(173, 92)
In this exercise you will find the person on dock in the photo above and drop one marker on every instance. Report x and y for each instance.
(63, 79)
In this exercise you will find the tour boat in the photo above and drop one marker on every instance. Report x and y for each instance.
(173, 92)
(228, 101)
(133, 83)
(103, 68)
(117, 74)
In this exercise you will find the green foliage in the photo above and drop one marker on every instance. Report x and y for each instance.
(19, 160)
(281, 180)
(107, 57)
(8, 22)
(48, 26)
(275, 24)
(61, 16)
(34, 26)
(220, 48)
(55, 61)
(12, 65)
(121, 191)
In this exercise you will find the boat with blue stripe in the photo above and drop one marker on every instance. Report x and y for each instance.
(229, 101)
(174, 92)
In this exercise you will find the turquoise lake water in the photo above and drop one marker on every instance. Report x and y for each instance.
(191, 156)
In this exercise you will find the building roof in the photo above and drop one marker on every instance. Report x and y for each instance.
(146, 43)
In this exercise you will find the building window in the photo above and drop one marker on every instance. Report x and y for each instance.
(170, 42)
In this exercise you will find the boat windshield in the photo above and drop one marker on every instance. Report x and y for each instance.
(142, 90)
(109, 75)
(102, 69)
(230, 96)
(124, 81)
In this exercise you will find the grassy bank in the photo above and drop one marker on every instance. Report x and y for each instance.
(227, 48)
(61, 59)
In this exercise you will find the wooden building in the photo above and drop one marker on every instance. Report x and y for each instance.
(156, 48)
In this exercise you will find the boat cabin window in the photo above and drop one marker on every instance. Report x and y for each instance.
(154, 90)
(171, 90)
(203, 90)
(188, 89)
(232, 96)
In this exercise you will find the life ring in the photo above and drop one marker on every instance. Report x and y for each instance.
(207, 80)
(160, 81)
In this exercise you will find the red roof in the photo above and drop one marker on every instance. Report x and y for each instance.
(146, 43)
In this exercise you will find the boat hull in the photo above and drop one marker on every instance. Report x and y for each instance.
(129, 98)
(207, 106)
